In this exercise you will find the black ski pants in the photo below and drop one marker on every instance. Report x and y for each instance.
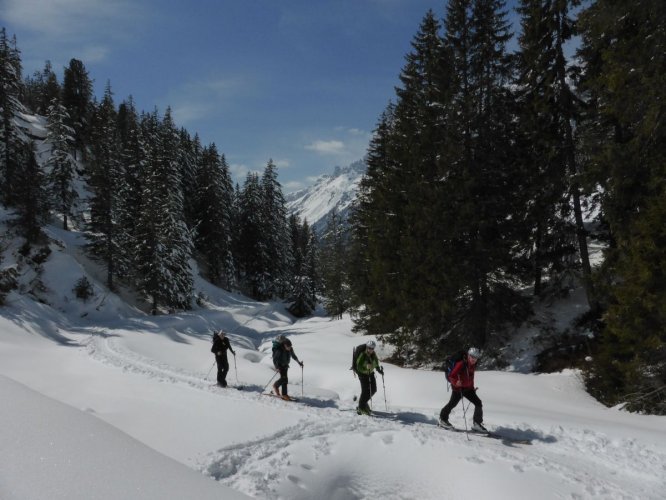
(283, 380)
(222, 369)
(456, 396)
(368, 389)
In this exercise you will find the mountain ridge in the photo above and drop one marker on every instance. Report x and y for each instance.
(335, 191)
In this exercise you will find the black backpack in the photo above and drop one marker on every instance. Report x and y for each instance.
(356, 352)
(451, 361)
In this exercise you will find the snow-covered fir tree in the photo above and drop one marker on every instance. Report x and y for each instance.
(250, 249)
(276, 232)
(61, 161)
(304, 269)
(133, 158)
(77, 94)
(190, 158)
(334, 270)
(213, 208)
(30, 185)
(546, 111)
(10, 105)
(164, 243)
(40, 90)
(105, 181)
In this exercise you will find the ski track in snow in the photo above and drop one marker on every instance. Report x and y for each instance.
(259, 468)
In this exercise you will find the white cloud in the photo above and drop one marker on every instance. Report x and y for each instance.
(356, 132)
(238, 172)
(282, 163)
(57, 27)
(94, 53)
(332, 147)
(291, 186)
(67, 18)
(203, 98)
(187, 112)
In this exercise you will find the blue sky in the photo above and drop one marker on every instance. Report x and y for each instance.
(300, 81)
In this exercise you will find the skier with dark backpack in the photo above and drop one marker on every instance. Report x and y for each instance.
(282, 354)
(356, 351)
(365, 364)
(461, 378)
(450, 363)
(220, 347)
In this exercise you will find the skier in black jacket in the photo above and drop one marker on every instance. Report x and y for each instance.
(282, 353)
(220, 346)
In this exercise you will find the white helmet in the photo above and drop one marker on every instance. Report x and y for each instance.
(371, 344)
(474, 352)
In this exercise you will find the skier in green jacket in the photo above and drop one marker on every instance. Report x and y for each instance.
(366, 364)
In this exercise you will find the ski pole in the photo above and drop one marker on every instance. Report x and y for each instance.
(271, 380)
(465, 414)
(211, 369)
(235, 368)
(302, 381)
(384, 386)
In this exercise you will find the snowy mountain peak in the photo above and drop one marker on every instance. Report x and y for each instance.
(330, 191)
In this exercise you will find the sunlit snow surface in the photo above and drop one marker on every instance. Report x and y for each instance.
(100, 401)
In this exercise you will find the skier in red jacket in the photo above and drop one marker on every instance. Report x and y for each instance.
(462, 385)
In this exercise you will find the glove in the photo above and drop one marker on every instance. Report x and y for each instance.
(233, 352)
(380, 370)
(300, 363)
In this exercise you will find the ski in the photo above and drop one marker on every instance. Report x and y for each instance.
(376, 414)
(489, 434)
(238, 387)
(290, 400)
(383, 414)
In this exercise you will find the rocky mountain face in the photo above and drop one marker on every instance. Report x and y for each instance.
(330, 191)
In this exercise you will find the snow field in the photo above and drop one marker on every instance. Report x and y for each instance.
(138, 385)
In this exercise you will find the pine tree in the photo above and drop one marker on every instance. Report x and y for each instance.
(77, 98)
(482, 202)
(397, 221)
(213, 207)
(251, 250)
(106, 181)
(61, 161)
(375, 236)
(50, 89)
(275, 233)
(334, 266)
(31, 195)
(11, 146)
(133, 158)
(190, 157)
(304, 277)
(164, 243)
(624, 54)
(40, 90)
(547, 112)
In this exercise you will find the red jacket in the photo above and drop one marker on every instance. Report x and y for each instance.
(462, 376)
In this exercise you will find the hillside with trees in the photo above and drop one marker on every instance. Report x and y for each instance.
(148, 195)
(481, 174)
(489, 176)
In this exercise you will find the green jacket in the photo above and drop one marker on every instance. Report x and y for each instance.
(366, 363)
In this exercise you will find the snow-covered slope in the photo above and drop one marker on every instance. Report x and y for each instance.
(83, 383)
(334, 191)
(51, 450)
